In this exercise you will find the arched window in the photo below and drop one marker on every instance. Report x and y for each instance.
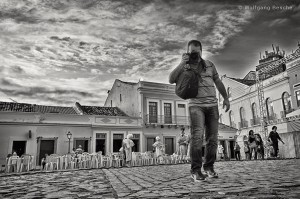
(254, 111)
(231, 119)
(270, 110)
(286, 102)
(242, 114)
(221, 118)
(229, 92)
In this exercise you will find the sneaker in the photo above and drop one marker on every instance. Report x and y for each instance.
(198, 177)
(211, 173)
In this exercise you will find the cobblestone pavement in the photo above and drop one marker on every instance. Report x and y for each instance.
(244, 179)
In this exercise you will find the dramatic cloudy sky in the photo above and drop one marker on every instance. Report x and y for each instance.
(57, 52)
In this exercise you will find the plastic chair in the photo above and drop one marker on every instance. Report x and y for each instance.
(25, 162)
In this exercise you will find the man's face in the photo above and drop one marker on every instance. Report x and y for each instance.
(194, 48)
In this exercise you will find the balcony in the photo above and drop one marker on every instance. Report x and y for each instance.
(243, 124)
(255, 121)
(166, 119)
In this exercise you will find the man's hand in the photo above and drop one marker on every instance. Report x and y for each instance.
(227, 104)
(185, 58)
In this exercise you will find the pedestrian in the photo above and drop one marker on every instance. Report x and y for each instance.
(252, 144)
(260, 146)
(220, 151)
(237, 152)
(246, 150)
(159, 149)
(183, 145)
(203, 109)
(273, 138)
(79, 150)
(127, 145)
(44, 161)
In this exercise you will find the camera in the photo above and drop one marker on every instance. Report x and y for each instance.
(194, 58)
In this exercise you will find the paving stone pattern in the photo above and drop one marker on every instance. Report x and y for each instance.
(238, 179)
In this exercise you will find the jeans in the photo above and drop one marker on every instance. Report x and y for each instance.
(203, 120)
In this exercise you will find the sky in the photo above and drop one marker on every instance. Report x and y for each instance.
(58, 52)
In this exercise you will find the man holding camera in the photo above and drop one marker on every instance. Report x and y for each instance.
(203, 110)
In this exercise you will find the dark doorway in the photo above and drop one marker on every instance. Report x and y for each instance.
(19, 147)
(136, 146)
(46, 147)
(84, 145)
(150, 142)
(169, 143)
(222, 142)
(117, 142)
(231, 149)
(100, 146)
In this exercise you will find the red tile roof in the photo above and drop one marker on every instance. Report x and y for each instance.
(23, 107)
(108, 111)
(244, 81)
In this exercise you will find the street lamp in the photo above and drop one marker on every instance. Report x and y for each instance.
(69, 135)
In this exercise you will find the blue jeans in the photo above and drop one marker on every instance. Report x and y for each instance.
(203, 120)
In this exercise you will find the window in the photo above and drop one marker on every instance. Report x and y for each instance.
(269, 106)
(120, 97)
(168, 113)
(181, 105)
(231, 119)
(286, 102)
(297, 94)
(242, 114)
(229, 92)
(254, 111)
(153, 112)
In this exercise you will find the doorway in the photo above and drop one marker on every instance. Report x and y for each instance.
(46, 147)
(100, 146)
(84, 144)
(117, 142)
(169, 146)
(231, 148)
(150, 142)
(19, 147)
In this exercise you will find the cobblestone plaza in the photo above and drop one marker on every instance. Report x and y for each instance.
(237, 179)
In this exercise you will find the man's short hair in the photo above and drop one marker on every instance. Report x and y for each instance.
(274, 127)
(195, 43)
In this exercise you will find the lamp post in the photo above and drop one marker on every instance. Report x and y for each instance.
(69, 135)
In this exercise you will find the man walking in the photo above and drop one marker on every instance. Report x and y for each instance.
(203, 111)
(274, 137)
(237, 152)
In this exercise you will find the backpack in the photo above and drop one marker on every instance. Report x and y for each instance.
(187, 84)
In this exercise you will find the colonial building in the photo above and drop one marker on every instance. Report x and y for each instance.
(38, 130)
(281, 89)
(162, 112)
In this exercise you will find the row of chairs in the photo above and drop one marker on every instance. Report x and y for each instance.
(19, 164)
(89, 161)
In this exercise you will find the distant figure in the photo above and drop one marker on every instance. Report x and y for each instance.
(183, 142)
(220, 151)
(252, 144)
(247, 150)
(44, 161)
(79, 150)
(73, 151)
(159, 148)
(273, 138)
(237, 150)
(127, 145)
(260, 146)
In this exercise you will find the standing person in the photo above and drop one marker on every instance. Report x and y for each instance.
(252, 144)
(221, 151)
(237, 150)
(260, 146)
(203, 110)
(127, 145)
(183, 144)
(247, 150)
(273, 138)
(159, 148)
